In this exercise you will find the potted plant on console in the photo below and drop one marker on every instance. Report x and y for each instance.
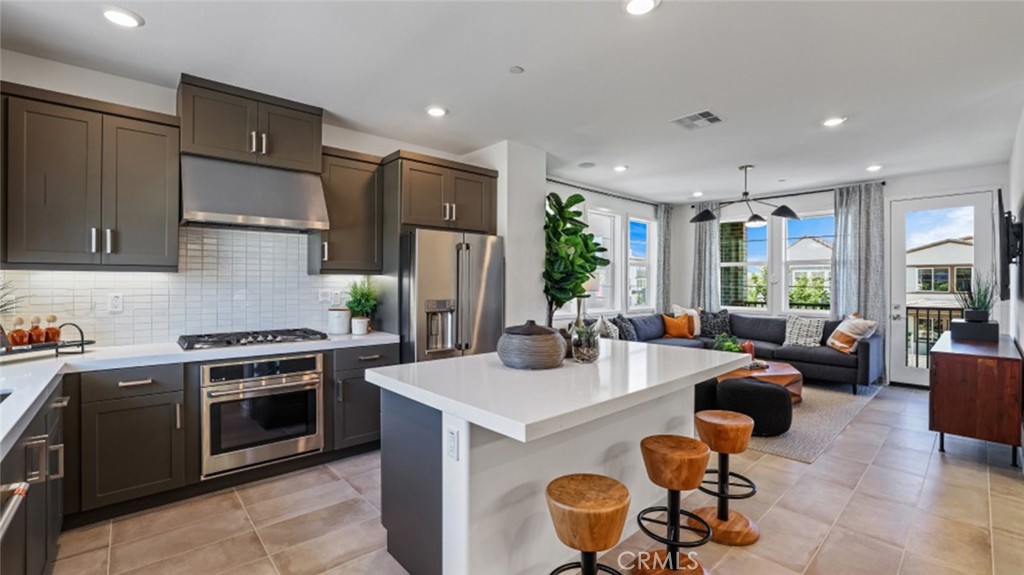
(977, 303)
(362, 302)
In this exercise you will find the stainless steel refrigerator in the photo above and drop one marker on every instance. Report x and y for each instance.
(452, 294)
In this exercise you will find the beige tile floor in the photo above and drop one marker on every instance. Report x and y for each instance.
(882, 500)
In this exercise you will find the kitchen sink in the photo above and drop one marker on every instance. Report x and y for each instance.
(5, 393)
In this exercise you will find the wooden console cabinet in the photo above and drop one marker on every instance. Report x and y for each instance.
(976, 390)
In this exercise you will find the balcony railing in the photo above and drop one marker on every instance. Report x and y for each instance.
(924, 326)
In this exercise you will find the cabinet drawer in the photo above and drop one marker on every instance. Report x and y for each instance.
(365, 357)
(131, 382)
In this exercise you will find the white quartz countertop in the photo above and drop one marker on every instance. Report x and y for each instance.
(527, 405)
(32, 377)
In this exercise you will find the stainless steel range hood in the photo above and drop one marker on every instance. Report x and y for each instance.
(218, 192)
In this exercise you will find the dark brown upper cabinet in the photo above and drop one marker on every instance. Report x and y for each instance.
(354, 194)
(54, 164)
(140, 193)
(444, 194)
(230, 123)
(88, 190)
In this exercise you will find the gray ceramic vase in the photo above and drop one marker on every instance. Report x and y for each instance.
(531, 346)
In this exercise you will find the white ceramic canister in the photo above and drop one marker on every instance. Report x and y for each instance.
(338, 321)
(360, 325)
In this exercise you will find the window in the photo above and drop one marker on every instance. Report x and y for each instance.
(639, 276)
(809, 244)
(964, 278)
(744, 259)
(603, 225)
(932, 280)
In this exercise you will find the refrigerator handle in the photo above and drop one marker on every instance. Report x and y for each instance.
(459, 273)
(465, 301)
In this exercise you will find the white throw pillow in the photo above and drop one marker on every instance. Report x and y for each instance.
(606, 329)
(849, 333)
(804, 331)
(678, 310)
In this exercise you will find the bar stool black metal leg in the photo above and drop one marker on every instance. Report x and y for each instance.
(673, 529)
(588, 563)
(723, 486)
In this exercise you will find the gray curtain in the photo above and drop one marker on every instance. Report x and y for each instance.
(706, 263)
(663, 299)
(858, 279)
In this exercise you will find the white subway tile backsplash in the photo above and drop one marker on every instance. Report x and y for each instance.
(227, 280)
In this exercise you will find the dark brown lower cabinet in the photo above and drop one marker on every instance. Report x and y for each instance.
(356, 409)
(132, 447)
(29, 543)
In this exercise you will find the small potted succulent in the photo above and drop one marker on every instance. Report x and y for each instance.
(363, 302)
(979, 300)
(586, 344)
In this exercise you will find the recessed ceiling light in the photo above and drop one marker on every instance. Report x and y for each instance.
(437, 111)
(698, 194)
(516, 70)
(640, 7)
(620, 168)
(122, 17)
(586, 165)
(834, 121)
(874, 167)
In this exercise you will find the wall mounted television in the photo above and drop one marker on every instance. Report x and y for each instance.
(1009, 239)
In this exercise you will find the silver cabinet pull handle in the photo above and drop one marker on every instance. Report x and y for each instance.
(20, 490)
(135, 383)
(94, 240)
(39, 475)
(325, 251)
(369, 357)
(61, 402)
(444, 211)
(454, 217)
(177, 416)
(252, 142)
(60, 461)
(341, 390)
(263, 141)
(108, 240)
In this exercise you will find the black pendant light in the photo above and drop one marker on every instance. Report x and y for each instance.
(755, 220)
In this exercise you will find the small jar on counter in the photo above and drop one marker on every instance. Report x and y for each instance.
(18, 335)
(36, 334)
(52, 332)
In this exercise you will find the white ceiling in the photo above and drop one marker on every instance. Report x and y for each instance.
(926, 86)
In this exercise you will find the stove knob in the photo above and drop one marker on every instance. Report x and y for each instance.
(259, 338)
(278, 338)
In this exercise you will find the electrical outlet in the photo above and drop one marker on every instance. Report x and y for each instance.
(115, 303)
(323, 296)
(336, 297)
(453, 443)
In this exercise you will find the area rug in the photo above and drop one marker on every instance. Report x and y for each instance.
(817, 420)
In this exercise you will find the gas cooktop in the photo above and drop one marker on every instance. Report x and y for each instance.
(228, 339)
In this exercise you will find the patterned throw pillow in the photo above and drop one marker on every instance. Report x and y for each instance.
(804, 331)
(606, 329)
(694, 313)
(626, 329)
(713, 324)
(849, 333)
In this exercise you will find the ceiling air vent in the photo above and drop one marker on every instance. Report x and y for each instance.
(698, 120)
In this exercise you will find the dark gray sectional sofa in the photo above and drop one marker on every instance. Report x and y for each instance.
(820, 364)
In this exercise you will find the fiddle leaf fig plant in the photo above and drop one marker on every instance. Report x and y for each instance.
(571, 254)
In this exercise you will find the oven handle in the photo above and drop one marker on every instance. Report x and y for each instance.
(312, 383)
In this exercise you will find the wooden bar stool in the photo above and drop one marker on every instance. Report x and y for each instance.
(676, 463)
(589, 512)
(727, 432)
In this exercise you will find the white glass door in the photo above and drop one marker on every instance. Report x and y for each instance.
(936, 247)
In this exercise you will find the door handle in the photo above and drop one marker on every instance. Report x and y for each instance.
(444, 211)
(263, 144)
(252, 142)
(177, 416)
(369, 357)
(135, 383)
(340, 384)
(94, 240)
(61, 402)
(261, 388)
(897, 316)
(60, 461)
(20, 490)
(325, 251)
(108, 240)
(454, 217)
(39, 475)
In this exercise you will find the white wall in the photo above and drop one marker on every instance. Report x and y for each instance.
(521, 191)
(1015, 200)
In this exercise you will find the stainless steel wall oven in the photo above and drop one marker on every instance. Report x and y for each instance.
(258, 411)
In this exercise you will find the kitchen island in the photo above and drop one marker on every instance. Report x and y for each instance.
(469, 445)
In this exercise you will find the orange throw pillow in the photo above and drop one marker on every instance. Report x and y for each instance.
(681, 326)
